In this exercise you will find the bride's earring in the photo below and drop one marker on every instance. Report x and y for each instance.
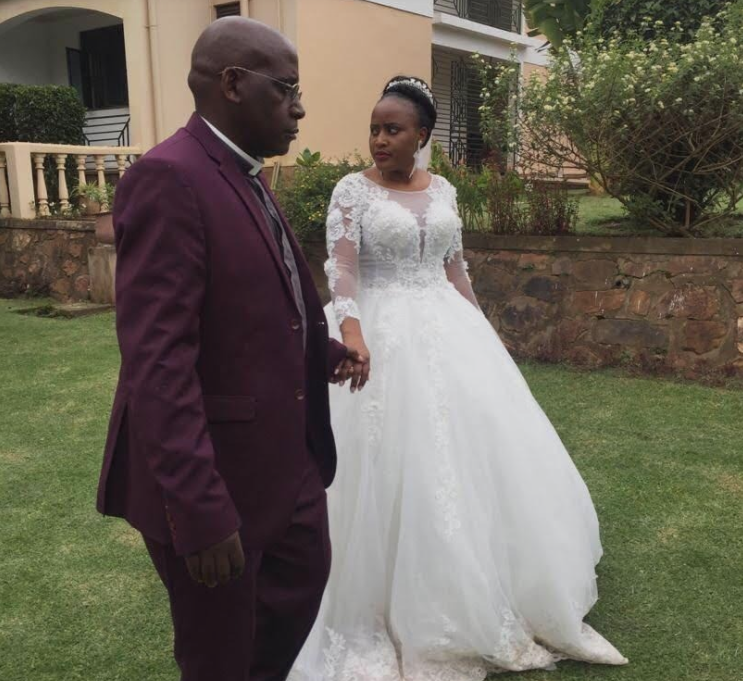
(415, 159)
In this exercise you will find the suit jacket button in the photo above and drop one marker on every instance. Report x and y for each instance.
(299, 394)
(296, 324)
(322, 323)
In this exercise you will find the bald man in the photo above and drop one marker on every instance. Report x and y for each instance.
(219, 447)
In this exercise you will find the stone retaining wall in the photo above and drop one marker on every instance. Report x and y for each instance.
(671, 305)
(45, 257)
(666, 305)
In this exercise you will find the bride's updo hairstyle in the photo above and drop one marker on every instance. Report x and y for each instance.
(419, 94)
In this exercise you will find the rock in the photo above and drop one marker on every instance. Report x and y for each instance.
(641, 269)
(598, 302)
(595, 274)
(694, 264)
(740, 328)
(60, 289)
(20, 240)
(522, 313)
(638, 334)
(75, 249)
(506, 259)
(690, 302)
(703, 337)
(544, 288)
(69, 267)
(639, 303)
(570, 330)
(534, 261)
(82, 285)
(493, 282)
(562, 266)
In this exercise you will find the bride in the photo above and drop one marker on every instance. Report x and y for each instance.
(465, 540)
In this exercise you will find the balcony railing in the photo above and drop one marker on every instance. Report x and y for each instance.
(503, 14)
(23, 187)
(109, 129)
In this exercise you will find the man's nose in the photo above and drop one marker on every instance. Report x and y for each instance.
(298, 111)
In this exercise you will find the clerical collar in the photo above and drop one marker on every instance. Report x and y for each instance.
(254, 164)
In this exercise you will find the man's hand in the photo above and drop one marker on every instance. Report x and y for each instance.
(357, 365)
(219, 563)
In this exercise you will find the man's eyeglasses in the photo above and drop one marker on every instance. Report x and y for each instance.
(291, 91)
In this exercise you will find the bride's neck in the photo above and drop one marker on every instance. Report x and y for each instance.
(401, 177)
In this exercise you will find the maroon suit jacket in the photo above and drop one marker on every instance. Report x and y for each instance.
(218, 406)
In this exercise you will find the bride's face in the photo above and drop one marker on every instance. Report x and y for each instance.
(394, 134)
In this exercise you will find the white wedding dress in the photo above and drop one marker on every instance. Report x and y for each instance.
(464, 538)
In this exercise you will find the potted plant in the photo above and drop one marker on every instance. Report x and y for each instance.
(91, 197)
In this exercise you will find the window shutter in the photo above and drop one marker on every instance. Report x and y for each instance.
(229, 9)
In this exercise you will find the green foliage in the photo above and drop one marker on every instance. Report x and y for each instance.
(41, 113)
(305, 196)
(652, 19)
(556, 19)
(307, 159)
(95, 193)
(472, 188)
(8, 129)
(658, 123)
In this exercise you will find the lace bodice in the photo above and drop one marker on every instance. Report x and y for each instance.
(385, 239)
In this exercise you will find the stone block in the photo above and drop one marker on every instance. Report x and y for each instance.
(547, 289)
(494, 282)
(639, 303)
(690, 302)
(641, 268)
(736, 290)
(75, 249)
(82, 286)
(703, 337)
(595, 274)
(562, 266)
(598, 302)
(638, 334)
(694, 264)
(69, 267)
(522, 313)
(534, 261)
(60, 289)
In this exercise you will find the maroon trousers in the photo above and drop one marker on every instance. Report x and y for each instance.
(252, 629)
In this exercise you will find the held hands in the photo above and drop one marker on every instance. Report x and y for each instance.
(357, 365)
(219, 563)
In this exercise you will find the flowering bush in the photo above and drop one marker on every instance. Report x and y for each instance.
(658, 123)
(472, 185)
(305, 195)
(651, 17)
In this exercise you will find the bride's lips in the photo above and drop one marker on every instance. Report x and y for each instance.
(382, 156)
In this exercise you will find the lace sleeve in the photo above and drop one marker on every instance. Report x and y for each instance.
(454, 261)
(344, 242)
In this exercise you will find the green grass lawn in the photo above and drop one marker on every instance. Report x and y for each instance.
(79, 600)
(604, 216)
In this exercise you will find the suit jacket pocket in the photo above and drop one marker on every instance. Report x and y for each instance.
(229, 408)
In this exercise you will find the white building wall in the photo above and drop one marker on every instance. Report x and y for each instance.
(35, 51)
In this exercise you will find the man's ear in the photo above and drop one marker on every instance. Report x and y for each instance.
(228, 84)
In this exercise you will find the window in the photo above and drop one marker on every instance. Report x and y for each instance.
(229, 9)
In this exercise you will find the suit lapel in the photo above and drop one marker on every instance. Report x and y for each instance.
(229, 169)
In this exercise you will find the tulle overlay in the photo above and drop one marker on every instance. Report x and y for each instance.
(464, 538)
